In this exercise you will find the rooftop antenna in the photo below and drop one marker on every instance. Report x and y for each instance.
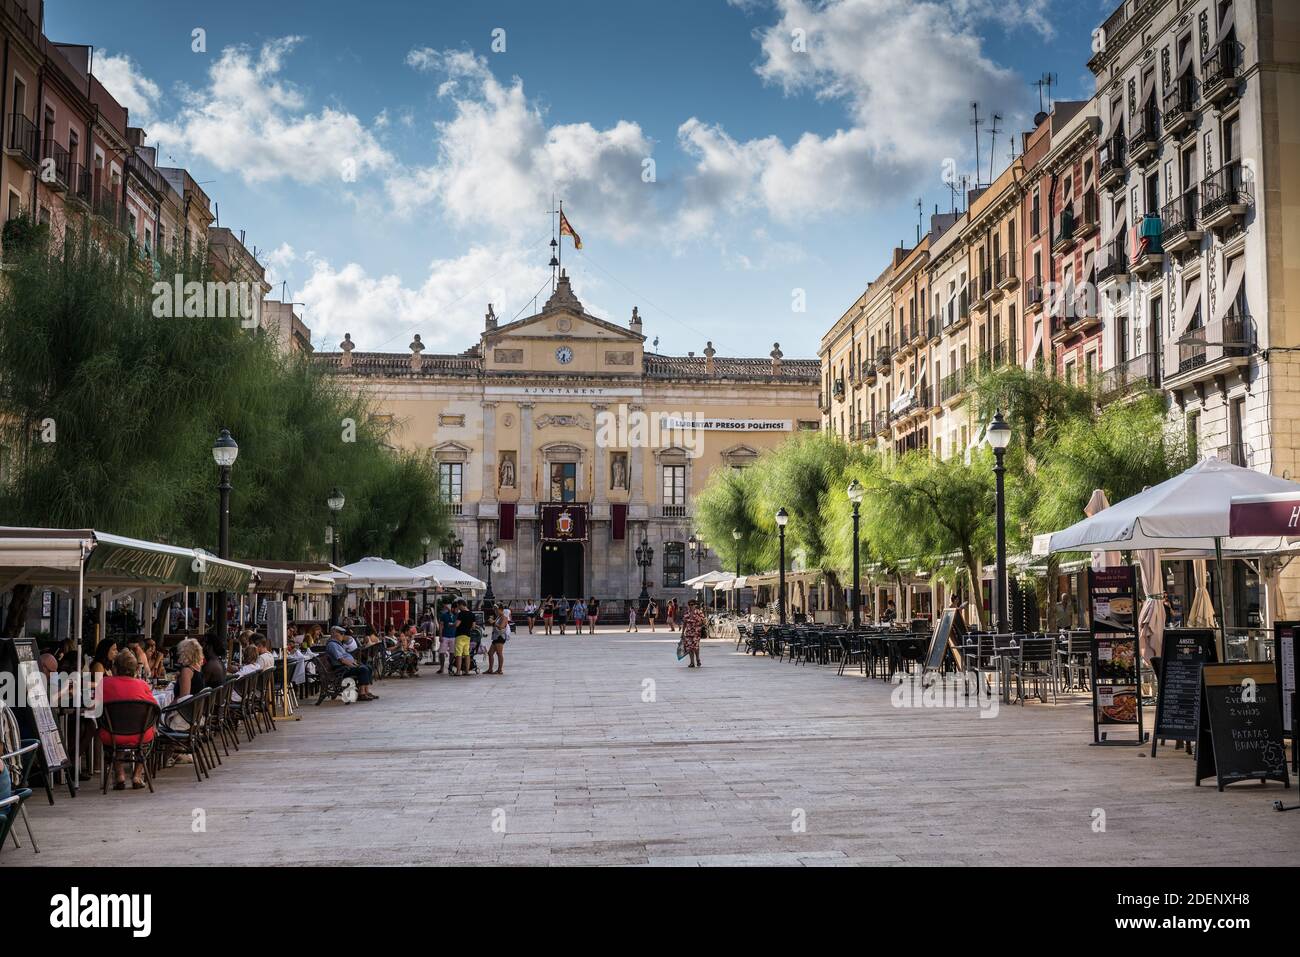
(993, 138)
(1049, 80)
(975, 109)
(920, 214)
(965, 189)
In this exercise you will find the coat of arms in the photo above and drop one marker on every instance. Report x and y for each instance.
(564, 524)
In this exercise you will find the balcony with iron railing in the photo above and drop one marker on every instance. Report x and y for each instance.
(1179, 220)
(1087, 218)
(1210, 349)
(24, 141)
(1063, 238)
(1150, 254)
(885, 355)
(1109, 31)
(1139, 372)
(141, 170)
(1113, 266)
(864, 431)
(933, 329)
(1220, 74)
(987, 288)
(79, 183)
(1033, 294)
(1179, 105)
(55, 173)
(1110, 162)
(108, 207)
(1226, 196)
(1145, 137)
(880, 423)
(837, 390)
(1006, 275)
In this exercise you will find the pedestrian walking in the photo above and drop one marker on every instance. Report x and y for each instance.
(562, 613)
(631, 615)
(548, 613)
(593, 612)
(500, 635)
(651, 613)
(692, 632)
(579, 613)
(530, 612)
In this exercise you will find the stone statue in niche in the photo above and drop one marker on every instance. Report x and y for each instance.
(618, 470)
(506, 472)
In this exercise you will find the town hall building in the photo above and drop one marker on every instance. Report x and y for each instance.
(564, 444)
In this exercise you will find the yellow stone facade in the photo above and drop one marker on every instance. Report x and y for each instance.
(565, 408)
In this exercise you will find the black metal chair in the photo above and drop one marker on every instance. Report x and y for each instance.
(14, 793)
(127, 725)
(181, 730)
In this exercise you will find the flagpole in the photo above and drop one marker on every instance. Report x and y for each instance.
(561, 252)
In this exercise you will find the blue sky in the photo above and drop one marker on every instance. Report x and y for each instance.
(395, 170)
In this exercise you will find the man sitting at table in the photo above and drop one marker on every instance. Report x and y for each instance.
(339, 657)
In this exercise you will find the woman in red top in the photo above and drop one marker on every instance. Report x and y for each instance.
(123, 685)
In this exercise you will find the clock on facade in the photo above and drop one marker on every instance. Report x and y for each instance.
(564, 355)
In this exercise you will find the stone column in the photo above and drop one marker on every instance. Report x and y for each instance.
(489, 453)
(636, 461)
(526, 452)
(600, 459)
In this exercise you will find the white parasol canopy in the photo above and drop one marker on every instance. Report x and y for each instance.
(370, 573)
(699, 582)
(444, 575)
(1189, 511)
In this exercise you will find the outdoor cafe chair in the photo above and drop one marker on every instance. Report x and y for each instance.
(264, 700)
(131, 721)
(1074, 666)
(219, 720)
(1032, 668)
(192, 711)
(13, 795)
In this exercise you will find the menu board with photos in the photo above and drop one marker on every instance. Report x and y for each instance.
(47, 729)
(1116, 694)
(1240, 735)
(1178, 706)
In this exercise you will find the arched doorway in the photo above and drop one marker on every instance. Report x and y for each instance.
(561, 568)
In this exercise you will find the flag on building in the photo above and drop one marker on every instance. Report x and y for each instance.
(567, 230)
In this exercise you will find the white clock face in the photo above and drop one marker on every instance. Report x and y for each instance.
(564, 355)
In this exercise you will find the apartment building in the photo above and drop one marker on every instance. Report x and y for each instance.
(992, 241)
(1200, 168)
(954, 372)
(1069, 167)
(909, 409)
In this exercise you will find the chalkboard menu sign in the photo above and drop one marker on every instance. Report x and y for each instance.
(1284, 658)
(942, 639)
(1240, 735)
(1178, 708)
(1116, 696)
(33, 683)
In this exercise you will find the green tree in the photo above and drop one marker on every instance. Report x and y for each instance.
(108, 414)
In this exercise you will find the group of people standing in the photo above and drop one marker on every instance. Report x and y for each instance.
(461, 639)
(560, 613)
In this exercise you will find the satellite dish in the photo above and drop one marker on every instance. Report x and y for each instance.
(1039, 117)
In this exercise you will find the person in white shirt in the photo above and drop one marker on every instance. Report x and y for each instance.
(265, 659)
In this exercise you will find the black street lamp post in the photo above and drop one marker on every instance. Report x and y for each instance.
(224, 452)
(487, 552)
(999, 436)
(735, 537)
(645, 555)
(856, 494)
(425, 540)
(782, 516)
(451, 550)
(335, 501)
(700, 550)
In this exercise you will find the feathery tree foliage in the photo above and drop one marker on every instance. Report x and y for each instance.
(108, 415)
(938, 515)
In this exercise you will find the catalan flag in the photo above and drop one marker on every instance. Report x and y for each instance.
(567, 230)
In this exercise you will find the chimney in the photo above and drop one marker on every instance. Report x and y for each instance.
(709, 353)
(490, 320)
(347, 345)
(776, 358)
(416, 347)
(635, 324)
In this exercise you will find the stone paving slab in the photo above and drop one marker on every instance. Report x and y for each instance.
(743, 762)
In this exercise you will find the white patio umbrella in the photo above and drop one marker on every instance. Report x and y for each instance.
(1100, 559)
(449, 576)
(1189, 511)
(708, 578)
(385, 573)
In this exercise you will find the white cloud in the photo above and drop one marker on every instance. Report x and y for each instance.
(121, 76)
(447, 307)
(499, 162)
(250, 121)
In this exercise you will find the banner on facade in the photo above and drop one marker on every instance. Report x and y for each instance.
(676, 422)
(564, 522)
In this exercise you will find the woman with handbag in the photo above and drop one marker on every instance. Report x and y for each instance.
(692, 632)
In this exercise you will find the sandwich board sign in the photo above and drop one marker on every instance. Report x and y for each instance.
(1240, 735)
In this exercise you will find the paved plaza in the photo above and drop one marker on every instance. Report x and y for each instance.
(561, 761)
